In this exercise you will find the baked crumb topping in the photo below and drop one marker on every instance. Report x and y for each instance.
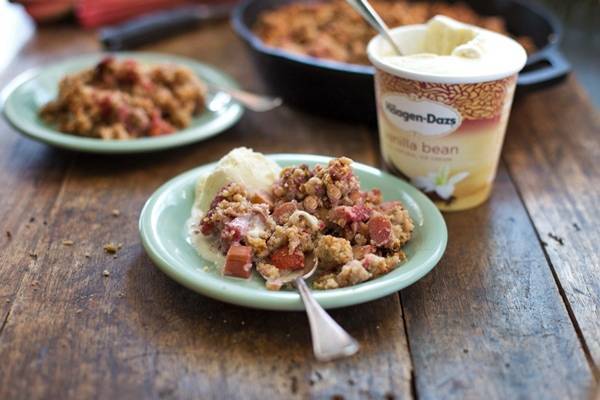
(112, 248)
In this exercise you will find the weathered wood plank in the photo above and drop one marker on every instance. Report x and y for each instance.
(30, 180)
(488, 322)
(553, 159)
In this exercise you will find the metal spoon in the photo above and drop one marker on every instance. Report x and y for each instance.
(251, 101)
(370, 15)
(330, 340)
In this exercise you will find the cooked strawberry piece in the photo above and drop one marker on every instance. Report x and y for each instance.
(380, 229)
(282, 259)
(238, 261)
(346, 214)
(282, 212)
(360, 213)
(206, 228)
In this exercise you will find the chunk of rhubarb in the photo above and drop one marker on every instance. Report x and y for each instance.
(282, 259)
(380, 230)
(282, 212)
(238, 261)
(343, 215)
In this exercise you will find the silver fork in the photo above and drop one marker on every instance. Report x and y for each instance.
(251, 101)
(330, 341)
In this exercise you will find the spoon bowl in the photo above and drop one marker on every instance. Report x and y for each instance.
(330, 341)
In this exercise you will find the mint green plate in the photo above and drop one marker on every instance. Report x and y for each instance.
(164, 236)
(24, 97)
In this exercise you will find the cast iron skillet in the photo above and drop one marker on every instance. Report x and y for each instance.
(346, 91)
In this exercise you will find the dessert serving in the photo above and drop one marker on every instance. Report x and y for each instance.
(333, 30)
(251, 214)
(123, 99)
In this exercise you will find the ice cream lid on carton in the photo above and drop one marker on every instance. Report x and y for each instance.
(447, 51)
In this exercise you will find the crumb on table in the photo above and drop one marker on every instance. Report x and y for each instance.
(112, 248)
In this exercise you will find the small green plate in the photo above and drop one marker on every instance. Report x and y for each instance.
(166, 240)
(24, 97)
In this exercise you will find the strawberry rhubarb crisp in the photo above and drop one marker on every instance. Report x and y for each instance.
(295, 216)
(332, 30)
(122, 99)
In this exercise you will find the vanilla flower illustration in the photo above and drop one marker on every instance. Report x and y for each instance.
(439, 182)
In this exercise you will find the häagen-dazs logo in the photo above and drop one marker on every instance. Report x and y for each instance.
(421, 116)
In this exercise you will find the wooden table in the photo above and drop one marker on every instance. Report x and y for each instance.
(511, 311)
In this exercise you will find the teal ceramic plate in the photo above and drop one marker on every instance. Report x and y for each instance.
(30, 91)
(164, 236)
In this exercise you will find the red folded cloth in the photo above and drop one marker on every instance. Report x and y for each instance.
(93, 13)
(47, 10)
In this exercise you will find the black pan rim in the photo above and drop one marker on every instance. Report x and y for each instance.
(245, 32)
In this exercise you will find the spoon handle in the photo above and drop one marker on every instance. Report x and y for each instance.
(364, 8)
(330, 340)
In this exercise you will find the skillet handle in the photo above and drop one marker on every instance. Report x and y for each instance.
(559, 67)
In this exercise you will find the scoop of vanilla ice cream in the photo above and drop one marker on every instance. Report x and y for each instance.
(242, 165)
(445, 36)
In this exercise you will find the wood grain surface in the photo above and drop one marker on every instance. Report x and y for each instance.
(488, 322)
(500, 317)
(554, 160)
